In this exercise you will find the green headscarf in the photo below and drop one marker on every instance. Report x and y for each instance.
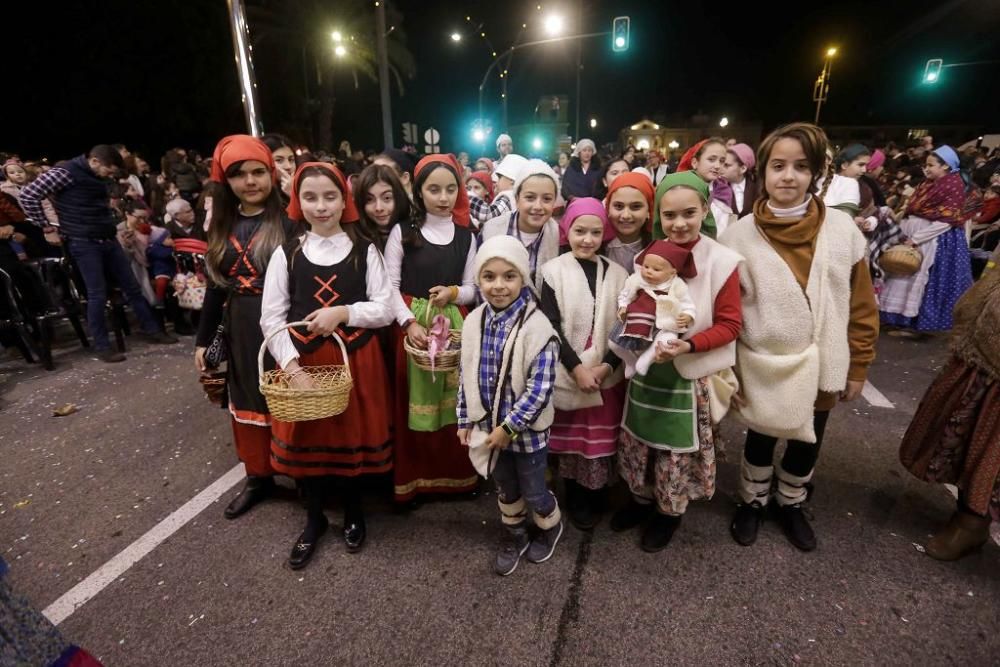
(688, 179)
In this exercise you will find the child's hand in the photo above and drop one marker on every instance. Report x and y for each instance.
(325, 321)
(585, 379)
(169, 242)
(497, 439)
(739, 401)
(671, 350)
(621, 314)
(601, 373)
(852, 391)
(440, 296)
(301, 380)
(199, 359)
(417, 335)
(463, 436)
(684, 320)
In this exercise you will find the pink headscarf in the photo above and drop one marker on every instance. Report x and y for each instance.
(584, 206)
(877, 160)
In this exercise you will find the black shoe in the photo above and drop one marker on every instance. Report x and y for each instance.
(578, 507)
(254, 491)
(796, 527)
(354, 531)
(158, 337)
(658, 533)
(746, 523)
(110, 356)
(182, 328)
(305, 546)
(630, 516)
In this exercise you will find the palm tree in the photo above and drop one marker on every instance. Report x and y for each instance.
(310, 25)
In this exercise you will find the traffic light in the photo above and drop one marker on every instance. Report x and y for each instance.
(619, 33)
(932, 70)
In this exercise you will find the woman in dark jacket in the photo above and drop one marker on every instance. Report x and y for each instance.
(583, 173)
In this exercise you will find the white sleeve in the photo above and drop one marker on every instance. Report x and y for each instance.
(686, 302)
(627, 295)
(394, 271)
(377, 312)
(467, 292)
(274, 308)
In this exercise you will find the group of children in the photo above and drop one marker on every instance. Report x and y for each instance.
(607, 344)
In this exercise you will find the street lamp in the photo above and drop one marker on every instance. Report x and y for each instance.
(553, 24)
(821, 89)
(673, 145)
(337, 37)
(479, 135)
(536, 143)
(724, 122)
(593, 123)
(340, 50)
(456, 37)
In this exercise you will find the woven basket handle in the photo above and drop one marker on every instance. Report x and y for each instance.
(427, 314)
(289, 325)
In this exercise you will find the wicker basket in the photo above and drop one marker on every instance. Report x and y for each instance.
(446, 360)
(328, 397)
(901, 260)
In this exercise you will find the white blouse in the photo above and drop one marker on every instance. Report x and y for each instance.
(323, 251)
(439, 231)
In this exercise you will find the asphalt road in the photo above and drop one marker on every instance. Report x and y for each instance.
(77, 491)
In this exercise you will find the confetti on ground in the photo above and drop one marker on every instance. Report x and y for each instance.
(22, 503)
(65, 410)
(919, 547)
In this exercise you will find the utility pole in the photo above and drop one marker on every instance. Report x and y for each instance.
(579, 66)
(244, 66)
(382, 52)
(821, 89)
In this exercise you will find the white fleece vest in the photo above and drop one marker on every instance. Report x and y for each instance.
(793, 344)
(582, 314)
(548, 249)
(523, 344)
(715, 263)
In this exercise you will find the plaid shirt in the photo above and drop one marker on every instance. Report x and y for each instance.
(512, 230)
(46, 185)
(482, 211)
(522, 410)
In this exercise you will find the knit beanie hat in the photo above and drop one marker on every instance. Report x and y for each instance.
(745, 155)
(510, 250)
(502, 138)
(687, 179)
(510, 166)
(584, 143)
(534, 167)
(681, 258)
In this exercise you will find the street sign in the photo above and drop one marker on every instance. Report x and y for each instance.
(410, 133)
(433, 139)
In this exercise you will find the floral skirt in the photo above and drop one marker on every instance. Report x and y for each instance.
(954, 437)
(673, 479)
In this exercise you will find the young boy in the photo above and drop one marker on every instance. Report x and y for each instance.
(509, 357)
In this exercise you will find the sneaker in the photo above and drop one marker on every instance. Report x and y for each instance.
(110, 356)
(513, 544)
(746, 523)
(796, 527)
(631, 515)
(544, 544)
(659, 532)
(159, 337)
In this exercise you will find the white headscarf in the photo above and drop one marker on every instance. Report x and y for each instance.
(583, 143)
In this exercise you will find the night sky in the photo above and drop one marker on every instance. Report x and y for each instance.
(154, 75)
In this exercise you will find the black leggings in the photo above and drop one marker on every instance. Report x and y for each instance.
(800, 457)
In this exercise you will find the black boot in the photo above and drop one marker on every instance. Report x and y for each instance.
(631, 515)
(178, 316)
(354, 518)
(795, 525)
(254, 491)
(578, 506)
(746, 523)
(660, 530)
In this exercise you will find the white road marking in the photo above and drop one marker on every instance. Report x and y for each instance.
(875, 397)
(76, 597)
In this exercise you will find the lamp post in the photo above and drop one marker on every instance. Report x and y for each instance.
(821, 89)
(244, 66)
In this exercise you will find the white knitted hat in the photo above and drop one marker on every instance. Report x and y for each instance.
(534, 167)
(510, 166)
(510, 250)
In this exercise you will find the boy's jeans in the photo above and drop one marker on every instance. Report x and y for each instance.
(518, 475)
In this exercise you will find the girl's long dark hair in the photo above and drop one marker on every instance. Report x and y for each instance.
(225, 211)
(351, 228)
(411, 232)
(370, 176)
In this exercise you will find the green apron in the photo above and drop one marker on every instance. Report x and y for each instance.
(660, 410)
(432, 399)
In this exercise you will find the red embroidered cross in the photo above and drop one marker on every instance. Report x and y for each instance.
(326, 286)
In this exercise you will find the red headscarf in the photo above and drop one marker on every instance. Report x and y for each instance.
(639, 181)
(294, 209)
(685, 163)
(484, 178)
(237, 148)
(460, 214)
(489, 164)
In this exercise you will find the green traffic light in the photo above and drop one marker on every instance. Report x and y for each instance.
(619, 33)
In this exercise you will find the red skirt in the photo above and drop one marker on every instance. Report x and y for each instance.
(425, 462)
(350, 444)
